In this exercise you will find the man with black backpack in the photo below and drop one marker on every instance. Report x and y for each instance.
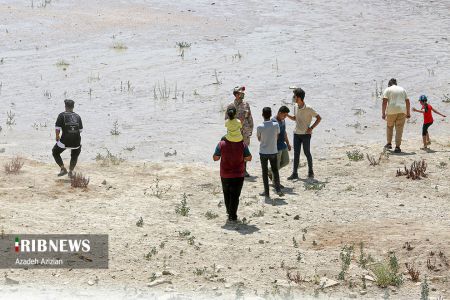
(70, 125)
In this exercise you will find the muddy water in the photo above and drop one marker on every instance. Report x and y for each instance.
(339, 51)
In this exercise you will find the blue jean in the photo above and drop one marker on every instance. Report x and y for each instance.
(304, 139)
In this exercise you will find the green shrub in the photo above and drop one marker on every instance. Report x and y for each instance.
(355, 155)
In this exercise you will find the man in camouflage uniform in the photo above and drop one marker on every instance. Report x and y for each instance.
(244, 114)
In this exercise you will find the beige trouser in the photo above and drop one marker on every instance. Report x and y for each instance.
(397, 121)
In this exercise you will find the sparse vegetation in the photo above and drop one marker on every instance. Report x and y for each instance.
(200, 271)
(115, 129)
(163, 91)
(425, 290)
(210, 215)
(416, 171)
(130, 148)
(237, 56)
(259, 213)
(314, 186)
(182, 45)
(363, 258)
(10, 118)
(184, 233)
(431, 266)
(294, 242)
(359, 111)
(217, 78)
(182, 209)
(78, 180)
(378, 93)
(14, 166)
(413, 272)
(157, 190)
(442, 165)
(151, 253)
(446, 98)
(387, 273)
(126, 87)
(108, 159)
(47, 94)
(119, 46)
(355, 155)
(191, 240)
(62, 63)
(372, 161)
(140, 222)
(346, 257)
(296, 278)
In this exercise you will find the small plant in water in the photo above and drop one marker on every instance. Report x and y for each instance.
(182, 45)
(115, 129)
(62, 63)
(10, 118)
(119, 46)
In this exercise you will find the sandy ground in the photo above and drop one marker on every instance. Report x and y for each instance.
(359, 203)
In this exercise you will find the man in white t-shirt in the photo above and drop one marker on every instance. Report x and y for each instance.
(395, 110)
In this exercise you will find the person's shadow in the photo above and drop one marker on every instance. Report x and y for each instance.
(251, 178)
(275, 201)
(402, 153)
(242, 228)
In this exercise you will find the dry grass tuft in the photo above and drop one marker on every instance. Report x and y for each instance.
(14, 166)
(78, 180)
(416, 171)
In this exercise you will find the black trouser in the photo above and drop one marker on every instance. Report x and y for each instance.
(425, 128)
(231, 192)
(304, 139)
(265, 159)
(74, 153)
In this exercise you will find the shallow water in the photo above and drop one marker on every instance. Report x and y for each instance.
(336, 50)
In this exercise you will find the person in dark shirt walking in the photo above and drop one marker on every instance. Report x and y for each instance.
(69, 125)
(232, 156)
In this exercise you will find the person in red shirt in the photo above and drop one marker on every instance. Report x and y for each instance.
(426, 110)
(232, 156)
